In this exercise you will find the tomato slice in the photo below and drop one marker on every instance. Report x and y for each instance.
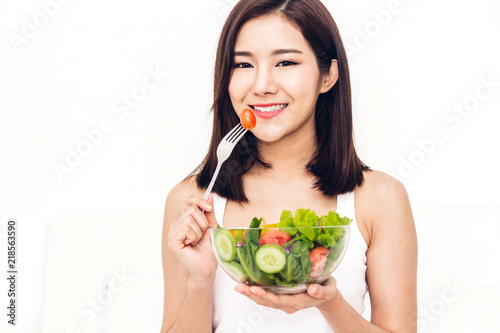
(319, 258)
(248, 119)
(274, 237)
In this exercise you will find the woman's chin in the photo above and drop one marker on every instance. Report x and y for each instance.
(267, 135)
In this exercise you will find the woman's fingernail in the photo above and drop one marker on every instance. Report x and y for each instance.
(209, 206)
(253, 290)
(238, 289)
(313, 290)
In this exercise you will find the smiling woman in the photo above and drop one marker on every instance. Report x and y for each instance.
(284, 60)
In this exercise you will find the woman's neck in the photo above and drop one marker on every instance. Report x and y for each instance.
(288, 157)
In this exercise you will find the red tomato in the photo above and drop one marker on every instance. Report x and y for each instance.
(248, 119)
(318, 257)
(274, 237)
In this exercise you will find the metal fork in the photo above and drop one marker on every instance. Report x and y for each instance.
(224, 149)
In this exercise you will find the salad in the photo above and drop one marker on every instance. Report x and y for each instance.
(301, 248)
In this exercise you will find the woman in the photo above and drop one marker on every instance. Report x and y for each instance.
(284, 59)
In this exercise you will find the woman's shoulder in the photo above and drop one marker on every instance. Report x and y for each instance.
(379, 185)
(178, 194)
(187, 185)
(381, 201)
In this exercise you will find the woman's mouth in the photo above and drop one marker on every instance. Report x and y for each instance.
(268, 110)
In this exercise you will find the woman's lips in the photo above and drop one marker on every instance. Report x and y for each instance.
(267, 114)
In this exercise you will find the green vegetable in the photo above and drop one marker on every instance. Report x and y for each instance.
(234, 269)
(256, 222)
(246, 255)
(298, 265)
(239, 236)
(307, 219)
(225, 245)
(331, 235)
(286, 221)
(270, 258)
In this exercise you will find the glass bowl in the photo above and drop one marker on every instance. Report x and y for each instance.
(280, 260)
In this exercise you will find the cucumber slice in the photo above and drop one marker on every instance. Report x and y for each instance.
(236, 271)
(271, 258)
(245, 255)
(225, 245)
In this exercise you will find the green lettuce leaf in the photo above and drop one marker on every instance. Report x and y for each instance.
(298, 266)
(307, 218)
(329, 236)
(286, 221)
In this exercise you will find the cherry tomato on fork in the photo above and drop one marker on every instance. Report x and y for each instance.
(248, 119)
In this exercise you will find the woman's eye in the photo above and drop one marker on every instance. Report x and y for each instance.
(242, 65)
(286, 63)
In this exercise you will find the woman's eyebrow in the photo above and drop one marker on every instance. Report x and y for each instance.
(282, 51)
(275, 52)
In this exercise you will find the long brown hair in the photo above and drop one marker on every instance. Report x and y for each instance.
(335, 164)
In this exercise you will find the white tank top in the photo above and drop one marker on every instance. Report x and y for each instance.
(235, 313)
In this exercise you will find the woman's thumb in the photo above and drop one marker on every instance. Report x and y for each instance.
(315, 291)
(326, 291)
(209, 213)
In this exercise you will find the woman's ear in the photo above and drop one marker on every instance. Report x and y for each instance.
(329, 79)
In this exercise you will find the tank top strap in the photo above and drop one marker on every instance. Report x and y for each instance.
(345, 205)
(219, 208)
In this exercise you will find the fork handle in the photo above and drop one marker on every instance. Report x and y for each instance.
(212, 182)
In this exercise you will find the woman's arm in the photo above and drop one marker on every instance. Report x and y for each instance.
(392, 254)
(187, 292)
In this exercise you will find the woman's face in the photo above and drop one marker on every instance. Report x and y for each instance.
(276, 75)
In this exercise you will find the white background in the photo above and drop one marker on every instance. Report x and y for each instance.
(408, 69)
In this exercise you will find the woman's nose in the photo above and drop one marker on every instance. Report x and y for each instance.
(265, 82)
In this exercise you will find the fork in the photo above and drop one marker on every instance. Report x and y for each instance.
(224, 149)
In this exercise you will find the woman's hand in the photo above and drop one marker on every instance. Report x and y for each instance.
(319, 296)
(189, 240)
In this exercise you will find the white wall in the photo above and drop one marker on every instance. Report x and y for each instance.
(67, 74)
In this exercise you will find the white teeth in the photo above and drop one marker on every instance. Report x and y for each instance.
(270, 108)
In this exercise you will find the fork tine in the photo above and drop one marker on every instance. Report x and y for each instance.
(239, 136)
(235, 128)
(236, 135)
